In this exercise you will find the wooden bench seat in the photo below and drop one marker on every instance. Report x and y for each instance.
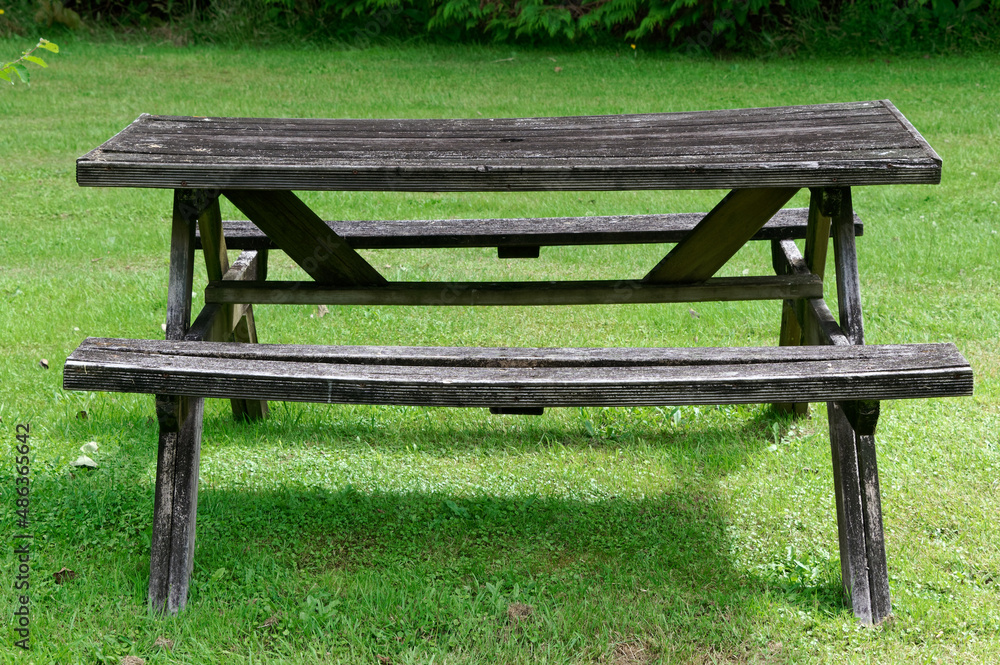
(521, 238)
(518, 377)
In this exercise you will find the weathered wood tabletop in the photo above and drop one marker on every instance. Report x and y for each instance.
(859, 143)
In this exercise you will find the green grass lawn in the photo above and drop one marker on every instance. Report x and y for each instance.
(407, 535)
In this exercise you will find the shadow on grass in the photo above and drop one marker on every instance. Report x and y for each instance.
(418, 566)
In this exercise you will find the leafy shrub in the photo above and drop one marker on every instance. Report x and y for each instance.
(18, 70)
(689, 25)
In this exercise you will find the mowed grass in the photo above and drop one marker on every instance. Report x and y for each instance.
(380, 534)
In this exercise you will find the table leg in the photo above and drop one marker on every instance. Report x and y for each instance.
(175, 504)
(852, 441)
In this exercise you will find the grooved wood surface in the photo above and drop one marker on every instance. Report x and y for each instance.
(581, 292)
(846, 144)
(540, 231)
(484, 377)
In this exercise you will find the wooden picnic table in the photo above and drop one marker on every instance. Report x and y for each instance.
(763, 156)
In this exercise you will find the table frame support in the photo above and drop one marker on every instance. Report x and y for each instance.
(804, 321)
(863, 565)
(864, 572)
(175, 504)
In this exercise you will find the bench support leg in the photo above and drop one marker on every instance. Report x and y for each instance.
(859, 519)
(852, 440)
(175, 506)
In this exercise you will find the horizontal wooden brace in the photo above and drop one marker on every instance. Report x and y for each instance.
(590, 292)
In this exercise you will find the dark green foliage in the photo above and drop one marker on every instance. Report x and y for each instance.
(753, 26)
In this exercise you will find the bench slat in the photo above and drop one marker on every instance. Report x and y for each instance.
(789, 223)
(542, 377)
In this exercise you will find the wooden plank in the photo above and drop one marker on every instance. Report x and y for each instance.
(543, 231)
(910, 129)
(324, 255)
(602, 175)
(212, 241)
(818, 231)
(719, 235)
(899, 372)
(912, 355)
(850, 515)
(175, 502)
(878, 573)
(851, 144)
(188, 206)
(874, 575)
(827, 329)
(848, 280)
(605, 292)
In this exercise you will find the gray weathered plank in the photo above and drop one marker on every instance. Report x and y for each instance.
(718, 236)
(188, 207)
(914, 355)
(818, 315)
(858, 143)
(537, 232)
(848, 280)
(584, 292)
(850, 515)
(175, 503)
(870, 543)
(296, 229)
(872, 372)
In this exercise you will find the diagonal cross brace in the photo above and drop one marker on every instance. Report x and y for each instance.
(304, 237)
(720, 235)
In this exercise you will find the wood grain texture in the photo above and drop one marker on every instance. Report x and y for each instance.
(523, 378)
(817, 234)
(233, 322)
(848, 279)
(212, 241)
(719, 235)
(303, 236)
(859, 143)
(871, 502)
(180, 279)
(175, 502)
(817, 316)
(538, 232)
(583, 292)
(850, 515)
